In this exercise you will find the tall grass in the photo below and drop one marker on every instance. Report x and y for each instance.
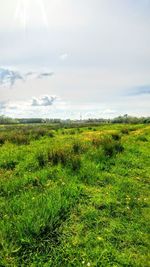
(74, 197)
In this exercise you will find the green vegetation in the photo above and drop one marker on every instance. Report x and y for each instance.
(74, 196)
(74, 123)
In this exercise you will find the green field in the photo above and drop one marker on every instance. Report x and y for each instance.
(74, 196)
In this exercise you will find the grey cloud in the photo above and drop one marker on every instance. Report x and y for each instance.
(2, 105)
(43, 101)
(141, 90)
(45, 74)
(9, 77)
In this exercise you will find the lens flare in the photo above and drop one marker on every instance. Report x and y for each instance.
(26, 11)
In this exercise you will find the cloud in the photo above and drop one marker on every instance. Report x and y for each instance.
(2, 105)
(45, 74)
(9, 77)
(43, 106)
(142, 90)
(43, 101)
(63, 57)
(108, 112)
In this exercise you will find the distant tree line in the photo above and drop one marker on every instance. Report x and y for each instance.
(7, 120)
(120, 119)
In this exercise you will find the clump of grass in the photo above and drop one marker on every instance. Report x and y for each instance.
(75, 162)
(111, 147)
(39, 132)
(72, 132)
(142, 138)
(42, 158)
(51, 134)
(9, 164)
(19, 139)
(2, 139)
(125, 131)
(116, 136)
(76, 147)
(58, 155)
(79, 147)
(96, 141)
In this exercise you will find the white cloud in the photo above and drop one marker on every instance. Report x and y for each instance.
(63, 56)
(43, 101)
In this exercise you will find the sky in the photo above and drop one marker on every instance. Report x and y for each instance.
(74, 58)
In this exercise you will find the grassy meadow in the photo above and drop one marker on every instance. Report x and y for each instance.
(72, 197)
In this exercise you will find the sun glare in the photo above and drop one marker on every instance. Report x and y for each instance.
(29, 12)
